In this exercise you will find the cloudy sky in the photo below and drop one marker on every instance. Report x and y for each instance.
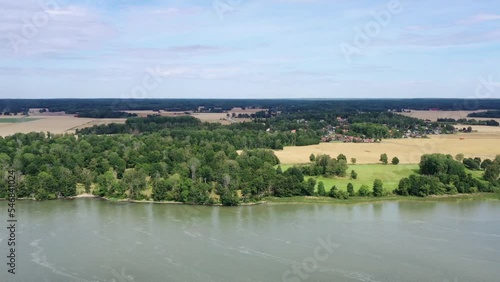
(248, 48)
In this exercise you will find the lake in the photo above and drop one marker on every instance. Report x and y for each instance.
(96, 240)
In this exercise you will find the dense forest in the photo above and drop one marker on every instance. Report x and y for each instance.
(468, 121)
(192, 162)
(74, 106)
(487, 114)
(180, 168)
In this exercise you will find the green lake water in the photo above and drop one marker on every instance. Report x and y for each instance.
(96, 240)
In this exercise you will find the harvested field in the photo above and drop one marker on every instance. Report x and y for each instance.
(246, 111)
(205, 117)
(212, 117)
(482, 144)
(53, 124)
(434, 115)
(218, 118)
(483, 129)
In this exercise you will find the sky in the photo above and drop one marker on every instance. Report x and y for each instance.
(249, 49)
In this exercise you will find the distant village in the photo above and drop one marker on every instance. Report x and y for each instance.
(340, 133)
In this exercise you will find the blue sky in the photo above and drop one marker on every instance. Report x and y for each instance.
(248, 48)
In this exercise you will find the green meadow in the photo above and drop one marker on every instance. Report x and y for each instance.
(367, 173)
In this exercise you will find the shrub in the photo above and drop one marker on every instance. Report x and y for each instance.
(395, 161)
(364, 191)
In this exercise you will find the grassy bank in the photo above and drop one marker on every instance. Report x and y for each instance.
(361, 200)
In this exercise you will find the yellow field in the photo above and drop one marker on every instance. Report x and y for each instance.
(434, 115)
(483, 144)
(54, 124)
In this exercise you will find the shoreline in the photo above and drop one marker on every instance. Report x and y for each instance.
(298, 200)
(371, 200)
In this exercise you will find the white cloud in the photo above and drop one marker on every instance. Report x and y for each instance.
(32, 29)
(479, 18)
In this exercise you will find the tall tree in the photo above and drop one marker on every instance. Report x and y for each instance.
(378, 188)
(383, 158)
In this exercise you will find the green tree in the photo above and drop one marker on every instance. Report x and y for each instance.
(492, 172)
(278, 170)
(312, 157)
(354, 174)
(86, 176)
(383, 158)
(229, 198)
(309, 187)
(486, 163)
(350, 189)
(104, 183)
(136, 182)
(353, 161)
(160, 189)
(334, 192)
(321, 189)
(378, 188)
(459, 157)
(395, 161)
(193, 164)
(342, 157)
(364, 191)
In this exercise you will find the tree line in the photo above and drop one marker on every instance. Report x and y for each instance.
(73, 106)
(145, 167)
(441, 174)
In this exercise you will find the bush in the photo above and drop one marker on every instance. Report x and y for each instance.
(395, 161)
(338, 194)
(354, 175)
(378, 188)
(229, 198)
(334, 192)
(383, 158)
(321, 189)
(364, 191)
(350, 189)
(472, 164)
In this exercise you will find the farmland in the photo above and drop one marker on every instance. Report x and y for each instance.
(16, 120)
(205, 116)
(483, 144)
(434, 115)
(55, 124)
